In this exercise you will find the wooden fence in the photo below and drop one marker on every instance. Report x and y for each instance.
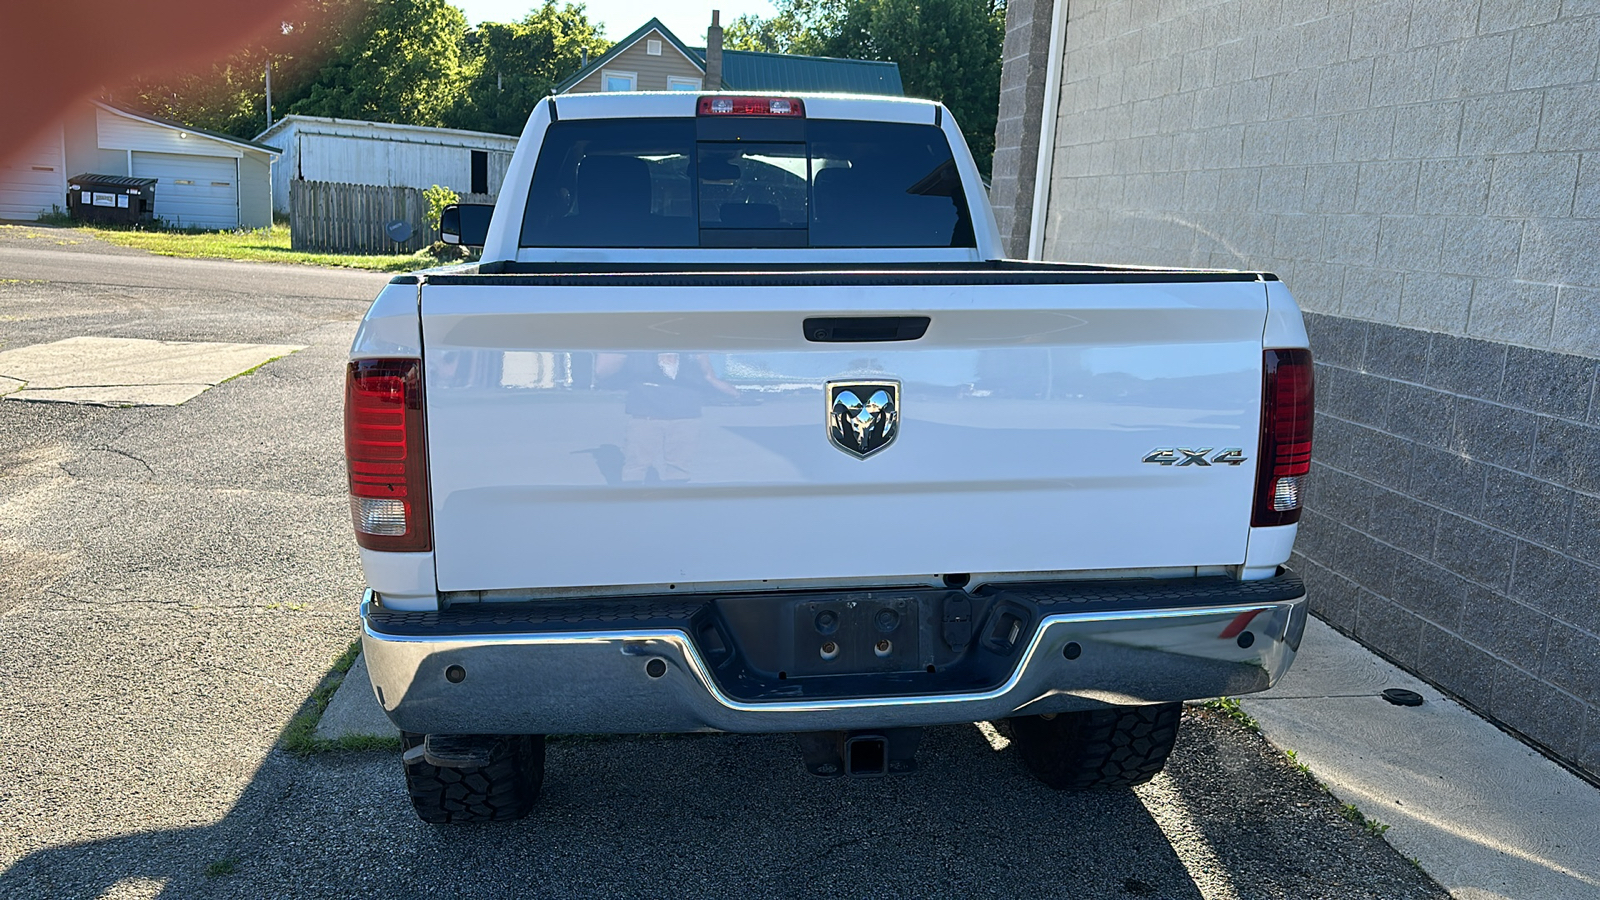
(327, 217)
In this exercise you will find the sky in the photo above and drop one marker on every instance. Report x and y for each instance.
(686, 18)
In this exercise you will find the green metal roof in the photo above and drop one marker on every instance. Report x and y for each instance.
(745, 70)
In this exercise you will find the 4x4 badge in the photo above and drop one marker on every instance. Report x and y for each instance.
(1180, 456)
(863, 416)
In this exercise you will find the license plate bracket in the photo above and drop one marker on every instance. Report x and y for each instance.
(858, 635)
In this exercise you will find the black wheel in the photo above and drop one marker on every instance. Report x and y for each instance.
(1116, 747)
(503, 790)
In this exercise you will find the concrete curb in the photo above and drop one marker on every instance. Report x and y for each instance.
(354, 710)
(1484, 814)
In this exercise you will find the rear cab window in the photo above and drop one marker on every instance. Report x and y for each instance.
(691, 182)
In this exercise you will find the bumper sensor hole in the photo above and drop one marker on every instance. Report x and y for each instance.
(1245, 639)
(455, 674)
(1072, 650)
(655, 668)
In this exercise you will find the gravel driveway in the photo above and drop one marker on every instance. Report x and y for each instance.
(174, 582)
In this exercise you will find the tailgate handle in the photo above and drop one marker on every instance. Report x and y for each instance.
(852, 329)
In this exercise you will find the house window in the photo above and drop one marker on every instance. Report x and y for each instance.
(683, 84)
(619, 81)
(480, 171)
(653, 48)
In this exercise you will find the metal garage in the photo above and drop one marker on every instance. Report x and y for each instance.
(34, 180)
(199, 191)
(382, 153)
(203, 179)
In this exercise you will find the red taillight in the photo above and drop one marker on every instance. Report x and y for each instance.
(752, 106)
(386, 454)
(1287, 400)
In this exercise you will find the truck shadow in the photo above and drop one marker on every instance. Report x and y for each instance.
(737, 815)
(725, 815)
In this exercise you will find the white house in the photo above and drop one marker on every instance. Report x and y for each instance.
(203, 178)
(355, 152)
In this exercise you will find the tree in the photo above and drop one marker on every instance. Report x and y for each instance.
(783, 33)
(947, 50)
(227, 97)
(413, 62)
(509, 67)
(401, 64)
(230, 95)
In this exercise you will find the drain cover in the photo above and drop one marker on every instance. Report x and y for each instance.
(1402, 697)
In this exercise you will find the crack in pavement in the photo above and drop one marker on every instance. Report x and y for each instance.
(125, 453)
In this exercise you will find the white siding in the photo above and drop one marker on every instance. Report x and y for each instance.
(498, 163)
(283, 167)
(34, 180)
(122, 133)
(384, 162)
(382, 154)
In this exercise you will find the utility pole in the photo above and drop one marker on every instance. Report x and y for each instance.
(269, 93)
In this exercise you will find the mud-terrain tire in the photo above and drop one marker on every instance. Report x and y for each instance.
(501, 791)
(1117, 747)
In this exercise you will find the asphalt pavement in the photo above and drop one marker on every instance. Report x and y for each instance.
(175, 582)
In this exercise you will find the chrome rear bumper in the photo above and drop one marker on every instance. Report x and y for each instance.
(651, 679)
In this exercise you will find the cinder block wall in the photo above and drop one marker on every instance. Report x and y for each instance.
(1426, 178)
(1016, 155)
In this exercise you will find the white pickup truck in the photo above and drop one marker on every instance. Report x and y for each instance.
(743, 424)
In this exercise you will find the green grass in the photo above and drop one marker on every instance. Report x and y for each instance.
(222, 867)
(56, 216)
(347, 658)
(1294, 760)
(1228, 706)
(1356, 816)
(300, 737)
(258, 244)
(250, 371)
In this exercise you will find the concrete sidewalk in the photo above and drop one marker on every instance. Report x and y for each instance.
(112, 371)
(1483, 813)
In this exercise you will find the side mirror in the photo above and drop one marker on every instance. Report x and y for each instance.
(466, 224)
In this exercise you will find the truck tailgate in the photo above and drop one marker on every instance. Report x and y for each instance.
(595, 430)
